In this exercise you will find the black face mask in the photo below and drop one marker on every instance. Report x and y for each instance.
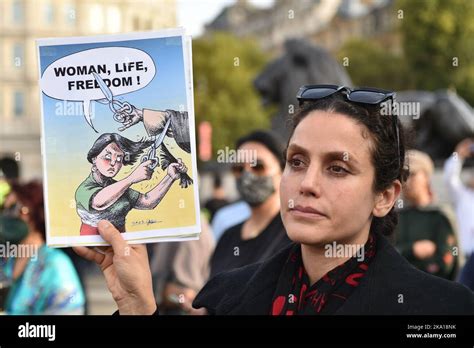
(12, 228)
(255, 189)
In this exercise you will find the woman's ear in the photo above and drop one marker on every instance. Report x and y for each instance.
(385, 200)
(94, 159)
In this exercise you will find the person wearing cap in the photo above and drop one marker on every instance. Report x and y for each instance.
(425, 235)
(261, 235)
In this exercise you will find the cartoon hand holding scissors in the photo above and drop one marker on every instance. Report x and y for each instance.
(152, 153)
(123, 112)
(129, 115)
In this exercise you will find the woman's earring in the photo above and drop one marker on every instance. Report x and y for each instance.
(94, 167)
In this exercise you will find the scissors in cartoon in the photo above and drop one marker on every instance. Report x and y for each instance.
(120, 110)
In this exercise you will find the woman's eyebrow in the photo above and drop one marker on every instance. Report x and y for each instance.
(344, 156)
(297, 149)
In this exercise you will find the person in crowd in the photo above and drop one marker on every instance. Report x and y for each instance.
(228, 216)
(9, 172)
(218, 199)
(9, 168)
(43, 279)
(345, 166)
(262, 235)
(462, 196)
(425, 235)
(180, 270)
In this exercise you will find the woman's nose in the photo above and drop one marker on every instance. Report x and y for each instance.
(311, 183)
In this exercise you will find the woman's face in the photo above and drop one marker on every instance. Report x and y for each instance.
(262, 162)
(417, 189)
(109, 161)
(326, 187)
(20, 210)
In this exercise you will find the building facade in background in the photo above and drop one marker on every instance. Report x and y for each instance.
(21, 22)
(328, 23)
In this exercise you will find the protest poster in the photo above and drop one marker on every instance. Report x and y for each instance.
(118, 140)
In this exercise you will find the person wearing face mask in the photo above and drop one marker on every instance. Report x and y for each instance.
(42, 280)
(262, 235)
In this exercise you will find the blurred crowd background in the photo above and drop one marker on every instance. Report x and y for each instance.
(249, 59)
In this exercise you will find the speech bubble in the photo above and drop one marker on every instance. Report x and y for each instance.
(123, 69)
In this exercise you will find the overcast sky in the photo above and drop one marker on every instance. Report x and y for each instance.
(194, 14)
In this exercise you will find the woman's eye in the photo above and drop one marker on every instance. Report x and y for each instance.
(295, 163)
(338, 170)
(119, 159)
(108, 157)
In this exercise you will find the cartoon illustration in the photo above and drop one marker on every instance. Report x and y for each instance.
(93, 89)
(170, 122)
(100, 197)
(173, 123)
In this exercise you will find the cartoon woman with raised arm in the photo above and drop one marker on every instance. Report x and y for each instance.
(100, 197)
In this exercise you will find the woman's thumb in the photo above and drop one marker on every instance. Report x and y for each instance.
(112, 236)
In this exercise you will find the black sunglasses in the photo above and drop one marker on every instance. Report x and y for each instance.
(239, 168)
(364, 95)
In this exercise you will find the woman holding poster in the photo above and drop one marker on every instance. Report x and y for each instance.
(345, 166)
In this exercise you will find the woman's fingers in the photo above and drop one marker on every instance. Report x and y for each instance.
(125, 126)
(181, 167)
(103, 249)
(89, 254)
(147, 163)
(112, 236)
(125, 109)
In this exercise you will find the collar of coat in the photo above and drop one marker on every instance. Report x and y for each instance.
(391, 286)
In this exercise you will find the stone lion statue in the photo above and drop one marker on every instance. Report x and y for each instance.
(444, 118)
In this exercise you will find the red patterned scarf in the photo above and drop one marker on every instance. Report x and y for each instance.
(294, 294)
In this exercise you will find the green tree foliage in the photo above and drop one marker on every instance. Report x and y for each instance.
(369, 64)
(224, 70)
(438, 35)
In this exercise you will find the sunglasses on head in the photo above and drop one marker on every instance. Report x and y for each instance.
(363, 95)
(239, 168)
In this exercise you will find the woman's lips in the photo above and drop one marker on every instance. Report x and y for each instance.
(307, 212)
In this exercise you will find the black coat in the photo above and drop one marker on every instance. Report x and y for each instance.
(391, 286)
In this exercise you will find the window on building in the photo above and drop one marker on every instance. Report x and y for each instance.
(18, 54)
(70, 13)
(96, 18)
(136, 23)
(18, 103)
(48, 12)
(113, 19)
(17, 11)
(1, 103)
